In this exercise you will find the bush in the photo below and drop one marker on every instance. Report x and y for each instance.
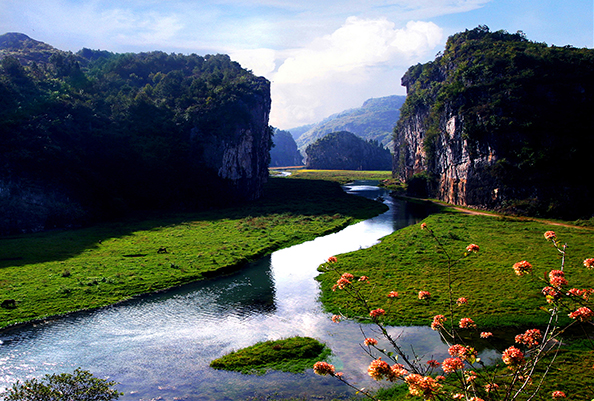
(80, 386)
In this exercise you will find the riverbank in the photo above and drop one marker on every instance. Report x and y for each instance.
(54, 273)
(408, 261)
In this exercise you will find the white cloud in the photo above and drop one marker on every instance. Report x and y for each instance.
(363, 58)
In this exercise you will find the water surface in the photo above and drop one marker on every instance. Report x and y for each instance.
(159, 347)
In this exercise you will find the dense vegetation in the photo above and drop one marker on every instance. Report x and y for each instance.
(374, 120)
(526, 104)
(284, 151)
(97, 133)
(295, 355)
(346, 151)
(59, 271)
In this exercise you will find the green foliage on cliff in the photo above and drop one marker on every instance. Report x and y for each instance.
(346, 151)
(114, 132)
(529, 103)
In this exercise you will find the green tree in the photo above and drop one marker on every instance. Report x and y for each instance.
(80, 386)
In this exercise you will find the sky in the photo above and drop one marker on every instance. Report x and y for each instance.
(321, 56)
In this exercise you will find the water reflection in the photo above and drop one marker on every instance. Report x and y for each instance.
(160, 346)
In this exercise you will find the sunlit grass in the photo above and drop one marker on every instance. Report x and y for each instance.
(409, 261)
(295, 354)
(56, 272)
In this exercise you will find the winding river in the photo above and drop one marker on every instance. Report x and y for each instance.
(159, 347)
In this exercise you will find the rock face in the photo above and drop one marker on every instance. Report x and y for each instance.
(499, 122)
(346, 151)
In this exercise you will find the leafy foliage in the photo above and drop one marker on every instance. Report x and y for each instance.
(80, 385)
(115, 132)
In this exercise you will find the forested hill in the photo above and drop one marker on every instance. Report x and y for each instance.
(346, 151)
(374, 120)
(97, 134)
(498, 121)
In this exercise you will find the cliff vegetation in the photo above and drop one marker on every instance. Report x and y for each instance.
(284, 151)
(497, 121)
(96, 134)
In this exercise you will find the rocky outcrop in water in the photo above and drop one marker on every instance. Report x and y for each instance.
(500, 122)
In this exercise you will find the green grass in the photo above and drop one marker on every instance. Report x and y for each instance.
(341, 176)
(409, 261)
(295, 355)
(56, 272)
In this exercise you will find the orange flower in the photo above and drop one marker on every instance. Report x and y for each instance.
(332, 259)
(486, 334)
(393, 294)
(438, 322)
(467, 323)
(530, 338)
(558, 394)
(589, 263)
(377, 313)
(461, 301)
(522, 268)
(336, 318)
(472, 248)
(513, 356)
(424, 295)
(370, 341)
(323, 369)
(550, 235)
(450, 365)
(582, 314)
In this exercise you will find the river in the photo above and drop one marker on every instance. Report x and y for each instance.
(159, 347)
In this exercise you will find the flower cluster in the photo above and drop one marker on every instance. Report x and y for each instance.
(462, 352)
(530, 338)
(557, 278)
(377, 313)
(364, 278)
(461, 301)
(513, 356)
(393, 294)
(582, 314)
(332, 259)
(379, 370)
(472, 248)
(343, 281)
(551, 294)
(558, 394)
(422, 386)
(486, 334)
(491, 387)
(467, 323)
(450, 365)
(336, 318)
(589, 263)
(550, 235)
(433, 363)
(323, 369)
(370, 341)
(438, 322)
(522, 268)
(424, 295)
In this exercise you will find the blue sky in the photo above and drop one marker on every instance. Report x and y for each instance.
(322, 56)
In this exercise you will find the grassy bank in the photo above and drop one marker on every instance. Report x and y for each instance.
(408, 261)
(295, 355)
(56, 272)
(340, 176)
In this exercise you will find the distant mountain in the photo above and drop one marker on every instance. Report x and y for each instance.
(374, 120)
(284, 151)
(346, 151)
(25, 49)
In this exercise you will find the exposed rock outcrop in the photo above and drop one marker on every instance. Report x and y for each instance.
(500, 122)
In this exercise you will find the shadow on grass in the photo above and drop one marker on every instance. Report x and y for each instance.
(281, 196)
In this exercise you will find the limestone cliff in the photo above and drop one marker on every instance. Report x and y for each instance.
(95, 134)
(500, 122)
